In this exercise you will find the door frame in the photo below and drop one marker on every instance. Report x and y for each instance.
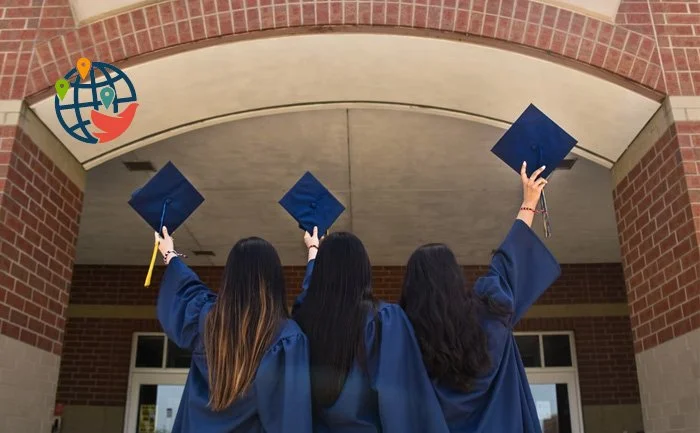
(567, 375)
(147, 376)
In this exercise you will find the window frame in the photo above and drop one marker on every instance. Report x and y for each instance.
(541, 334)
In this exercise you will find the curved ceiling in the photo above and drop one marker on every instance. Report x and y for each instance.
(405, 178)
(197, 88)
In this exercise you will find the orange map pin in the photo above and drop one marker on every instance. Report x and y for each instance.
(83, 65)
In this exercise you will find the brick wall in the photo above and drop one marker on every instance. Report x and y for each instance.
(22, 24)
(675, 26)
(628, 50)
(604, 353)
(95, 364)
(657, 206)
(96, 359)
(123, 285)
(39, 214)
(636, 16)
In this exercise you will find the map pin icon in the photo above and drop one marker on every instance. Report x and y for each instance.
(107, 96)
(83, 65)
(62, 87)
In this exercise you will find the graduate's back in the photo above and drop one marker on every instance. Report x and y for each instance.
(249, 370)
(466, 334)
(367, 375)
(500, 399)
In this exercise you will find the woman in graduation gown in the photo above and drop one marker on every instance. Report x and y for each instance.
(466, 334)
(249, 369)
(367, 375)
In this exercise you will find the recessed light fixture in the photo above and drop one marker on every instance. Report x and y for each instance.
(203, 253)
(139, 166)
(566, 164)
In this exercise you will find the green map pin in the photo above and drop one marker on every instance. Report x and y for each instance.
(62, 86)
(107, 96)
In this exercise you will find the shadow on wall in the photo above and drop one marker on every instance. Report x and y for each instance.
(622, 418)
(91, 419)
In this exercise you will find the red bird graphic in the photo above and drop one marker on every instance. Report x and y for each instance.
(113, 126)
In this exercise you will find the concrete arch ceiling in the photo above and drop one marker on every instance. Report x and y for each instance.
(220, 83)
(405, 178)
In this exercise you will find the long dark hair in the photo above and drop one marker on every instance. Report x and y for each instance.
(445, 316)
(334, 314)
(244, 320)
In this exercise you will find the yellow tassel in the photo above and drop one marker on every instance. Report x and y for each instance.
(153, 262)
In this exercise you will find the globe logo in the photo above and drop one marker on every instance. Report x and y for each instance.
(95, 102)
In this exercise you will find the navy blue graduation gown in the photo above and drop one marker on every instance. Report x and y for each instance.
(395, 395)
(501, 401)
(280, 397)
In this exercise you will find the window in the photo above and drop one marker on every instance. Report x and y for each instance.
(550, 363)
(545, 350)
(156, 351)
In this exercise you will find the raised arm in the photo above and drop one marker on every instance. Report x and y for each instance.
(183, 300)
(522, 268)
(312, 242)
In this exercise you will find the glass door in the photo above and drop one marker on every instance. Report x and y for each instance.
(556, 400)
(153, 402)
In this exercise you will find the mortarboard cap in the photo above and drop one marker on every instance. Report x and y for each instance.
(534, 138)
(312, 205)
(167, 199)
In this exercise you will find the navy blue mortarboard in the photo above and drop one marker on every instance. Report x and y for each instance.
(167, 199)
(312, 205)
(535, 138)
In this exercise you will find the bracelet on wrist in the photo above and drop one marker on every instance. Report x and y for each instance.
(535, 211)
(173, 252)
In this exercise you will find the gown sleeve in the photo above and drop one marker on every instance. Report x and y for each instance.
(283, 387)
(521, 270)
(304, 285)
(407, 400)
(183, 302)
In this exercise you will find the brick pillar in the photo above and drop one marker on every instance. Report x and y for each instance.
(657, 206)
(40, 203)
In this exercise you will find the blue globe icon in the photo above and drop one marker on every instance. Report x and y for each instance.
(74, 110)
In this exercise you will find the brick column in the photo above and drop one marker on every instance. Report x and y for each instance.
(40, 203)
(657, 206)
(657, 200)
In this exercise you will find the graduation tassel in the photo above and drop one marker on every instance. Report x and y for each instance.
(153, 263)
(545, 216)
(155, 247)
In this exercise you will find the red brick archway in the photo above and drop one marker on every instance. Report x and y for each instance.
(657, 193)
(627, 50)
